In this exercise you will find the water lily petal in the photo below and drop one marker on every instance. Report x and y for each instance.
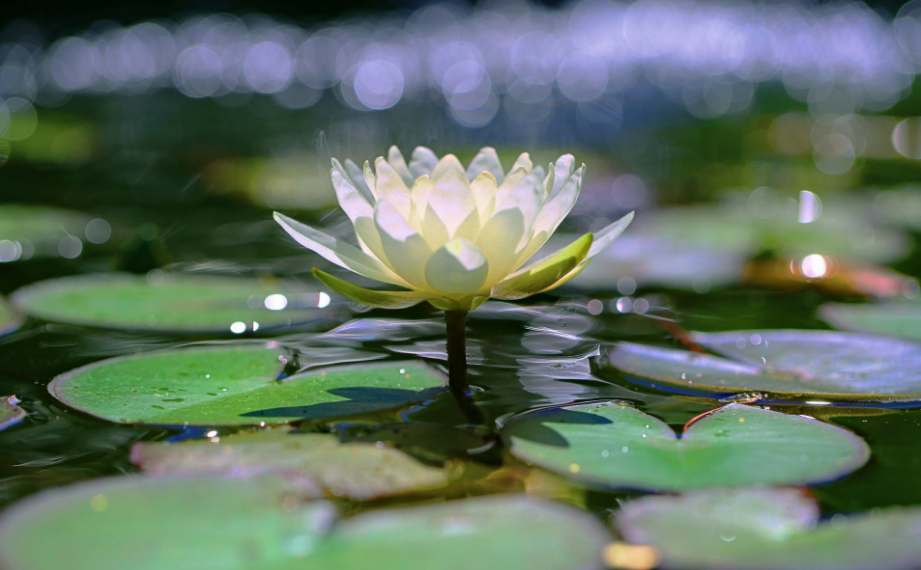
(422, 162)
(602, 239)
(390, 187)
(419, 195)
(448, 163)
(484, 189)
(405, 250)
(542, 274)
(396, 160)
(337, 251)
(497, 241)
(607, 235)
(523, 161)
(538, 172)
(371, 297)
(370, 239)
(358, 180)
(434, 230)
(453, 202)
(458, 268)
(549, 181)
(525, 195)
(370, 180)
(563, 169)
(486, 161)
(351, 200)
(553, 212)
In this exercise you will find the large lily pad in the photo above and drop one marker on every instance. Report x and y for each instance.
(174, 303)
(487, 533)
(160, 523)
(768, 529)
(257, 523)
(354, 470)
(902, 319)
(612, 445)
(237, 385)
(790, 363)
(38, 231)
(10, 413)
(9, 319)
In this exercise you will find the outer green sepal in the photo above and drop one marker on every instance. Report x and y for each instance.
(468, 303)
(545, 274)
(370, 297)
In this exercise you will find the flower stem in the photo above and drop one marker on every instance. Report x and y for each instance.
(457, 353)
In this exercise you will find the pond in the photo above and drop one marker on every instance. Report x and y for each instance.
(740, 369)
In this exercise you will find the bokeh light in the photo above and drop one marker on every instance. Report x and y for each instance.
(708, 56)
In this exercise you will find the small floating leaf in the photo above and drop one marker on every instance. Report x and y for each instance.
(353, 470)
(170, 523)
(38, 231)
(10, 413)
(902, 319)
(237, 385)
(797, 363)
(611, 445)
(163, 523)
(768, 529)
(173, 303)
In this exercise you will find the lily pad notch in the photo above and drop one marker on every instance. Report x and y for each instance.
(612, 445)
(238, 384)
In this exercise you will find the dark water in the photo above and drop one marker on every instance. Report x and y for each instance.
(144, 177)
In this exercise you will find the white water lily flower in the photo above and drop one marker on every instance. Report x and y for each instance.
(450, 236)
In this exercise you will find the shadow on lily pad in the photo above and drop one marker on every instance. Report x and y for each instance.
(360, 400)
(539, 432)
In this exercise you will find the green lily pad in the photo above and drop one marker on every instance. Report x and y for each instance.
(237, 385)
(731, 228)
(353, 470)
(10, 413)
(650, 259)
(612, 445)
(791, 363)
(488, 533)
(901, 319)
(900, 206)
(174, 303)
(170, 523)
(159, 523)
(9, 319)
(768, 529)
(38, 231)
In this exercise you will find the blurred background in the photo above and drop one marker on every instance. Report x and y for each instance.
(177, 126)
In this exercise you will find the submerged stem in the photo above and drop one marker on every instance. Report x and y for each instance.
(457, 353)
